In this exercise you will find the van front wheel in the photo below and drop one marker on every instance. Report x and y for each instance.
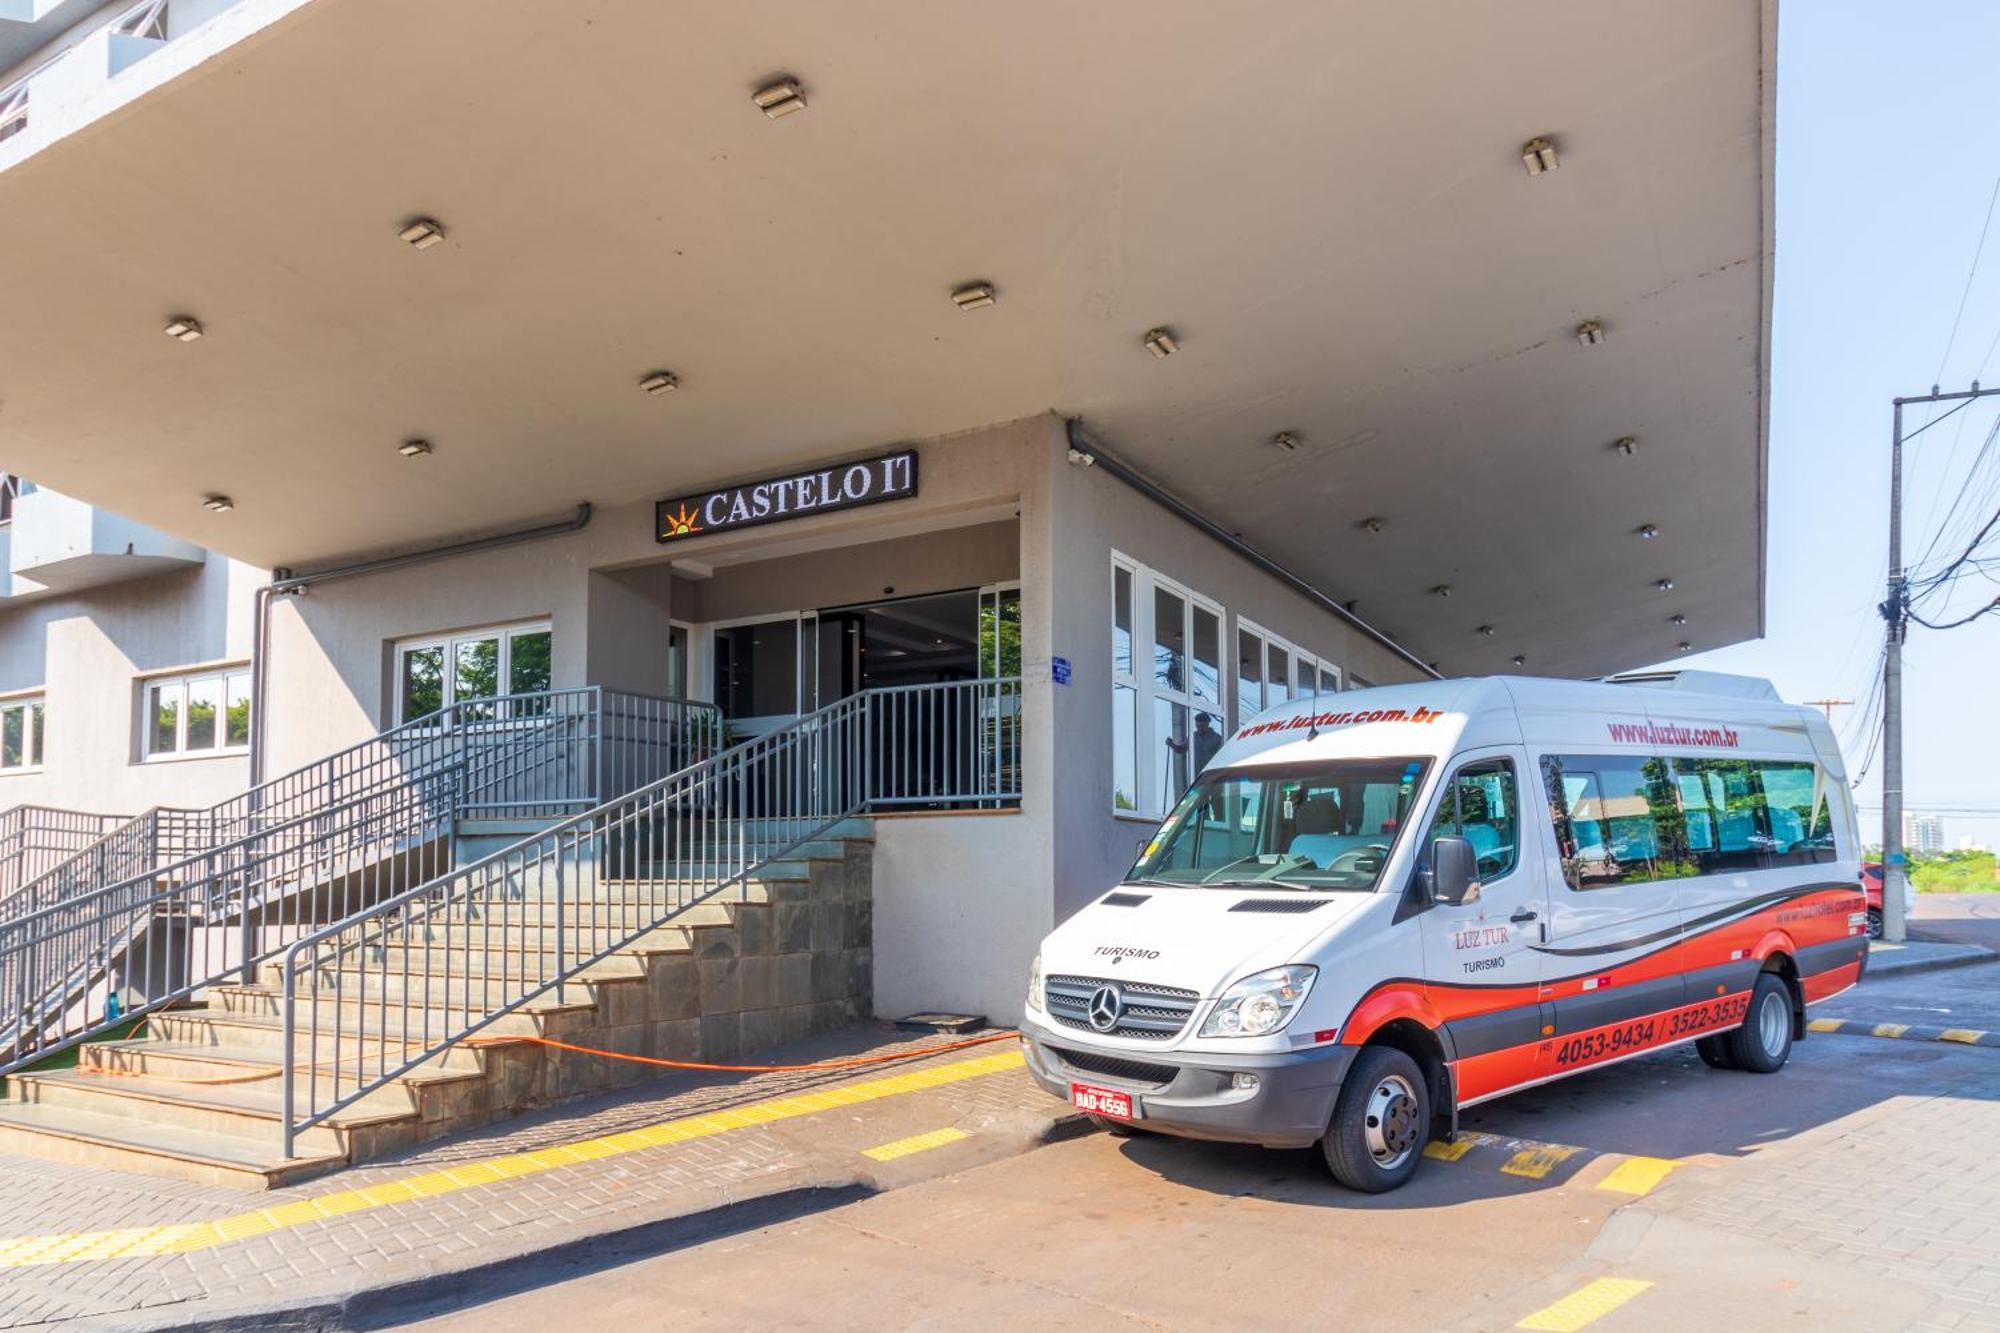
(1764, 1042)
(1381, 1122)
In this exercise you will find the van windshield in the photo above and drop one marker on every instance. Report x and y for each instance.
(1301, 826)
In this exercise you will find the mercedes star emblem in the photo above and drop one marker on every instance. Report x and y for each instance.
(1106, 1007)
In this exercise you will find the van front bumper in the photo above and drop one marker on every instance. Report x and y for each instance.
(1191, 1094)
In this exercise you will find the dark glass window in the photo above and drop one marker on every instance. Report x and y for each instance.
(1625, 819)
(1480, 807)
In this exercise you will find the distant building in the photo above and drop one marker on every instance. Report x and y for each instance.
(1922, 833)
(1968, 843)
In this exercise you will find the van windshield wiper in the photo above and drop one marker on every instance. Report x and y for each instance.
(1256, 884)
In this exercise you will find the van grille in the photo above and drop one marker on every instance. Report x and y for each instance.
(1111, 1066)
(1152, 1013)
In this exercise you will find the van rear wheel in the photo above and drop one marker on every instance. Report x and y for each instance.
(1764, 1042)
(1381, 1121)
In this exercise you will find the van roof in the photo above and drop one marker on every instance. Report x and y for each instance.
(1673, 711)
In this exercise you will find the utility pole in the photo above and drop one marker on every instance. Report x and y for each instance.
(1896, 610)
(1828, 705)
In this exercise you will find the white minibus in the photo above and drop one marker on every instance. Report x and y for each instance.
(1376, 909)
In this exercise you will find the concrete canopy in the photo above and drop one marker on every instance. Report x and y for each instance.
(1325, 202)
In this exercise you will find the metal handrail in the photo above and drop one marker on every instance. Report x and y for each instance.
(34, 839)
(318, 844)
(368, 998)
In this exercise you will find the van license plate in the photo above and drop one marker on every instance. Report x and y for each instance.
(1103, 1101)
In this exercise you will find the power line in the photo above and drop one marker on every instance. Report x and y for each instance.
(1971, 273)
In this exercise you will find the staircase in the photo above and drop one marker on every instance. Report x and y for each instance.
(700, 915)
(200, 1096)
(176, 900)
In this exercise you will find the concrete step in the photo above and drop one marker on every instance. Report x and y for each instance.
(647, 895)
(513, 936)
(197, 1066)
(543, 1016)
(262, 1037)
(121, 1143)
(432, 961)
(469, 991)
(605, 916)
(250, 1111)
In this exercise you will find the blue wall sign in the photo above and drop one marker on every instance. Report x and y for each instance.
(1059, 670)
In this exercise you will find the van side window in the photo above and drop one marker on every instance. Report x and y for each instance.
(1480, 807)
(1629, 819)
(1616, 820)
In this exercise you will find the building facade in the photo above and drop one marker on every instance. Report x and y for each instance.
(1146, 385)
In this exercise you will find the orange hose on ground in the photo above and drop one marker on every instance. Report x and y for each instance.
(849, 1063)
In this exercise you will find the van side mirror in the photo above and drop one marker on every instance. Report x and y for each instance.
(1454, 871)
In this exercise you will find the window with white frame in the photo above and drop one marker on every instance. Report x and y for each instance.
(201, 713)
(437, 671)
(21, 732)
(1271, 671)
(1166, 687)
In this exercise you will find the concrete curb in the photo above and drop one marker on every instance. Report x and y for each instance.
(1859, 1027)
(502, 1272)
(1898, 963)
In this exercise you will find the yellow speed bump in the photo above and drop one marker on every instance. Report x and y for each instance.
(1585, 1305)
(1535, 1162)
(1637, 1175)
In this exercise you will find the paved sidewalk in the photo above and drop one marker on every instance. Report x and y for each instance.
(127, 1251)
(1916, 955)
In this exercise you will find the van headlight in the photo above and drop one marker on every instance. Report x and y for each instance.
(1260, 1004)
(1035, 984)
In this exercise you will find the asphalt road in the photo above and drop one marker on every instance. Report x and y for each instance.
(1849, 1191)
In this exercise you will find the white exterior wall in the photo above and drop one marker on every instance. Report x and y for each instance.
(87, 655)
(1096, 514)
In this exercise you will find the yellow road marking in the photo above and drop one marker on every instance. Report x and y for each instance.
(1824, 1025)
(1585, 1305)
(1637, 1175)
(1890, 1029)
(1536, 1162)
(187, 1237)
(1965, 1035)
(1457, 1148)
(937, 1138)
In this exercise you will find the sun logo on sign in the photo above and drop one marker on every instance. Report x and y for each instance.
(683, 523)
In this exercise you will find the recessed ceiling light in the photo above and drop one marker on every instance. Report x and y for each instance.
(1441, 590)
(1160, 342)
(1626, 445)
(780, 98)
(1519, 660)
(422, 233)
(185, 328)
(1286, 441)
(1539, 155)
(1484, 631)
(217, 504)
(1647, 530)
(973, 296)
(414, 448)
(1663, 585)
(1685, 646)
(1372, 524)
(1590, 333)
(1677, 620)
(659, 381)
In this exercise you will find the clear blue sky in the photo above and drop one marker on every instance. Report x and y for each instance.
(1887, 154)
